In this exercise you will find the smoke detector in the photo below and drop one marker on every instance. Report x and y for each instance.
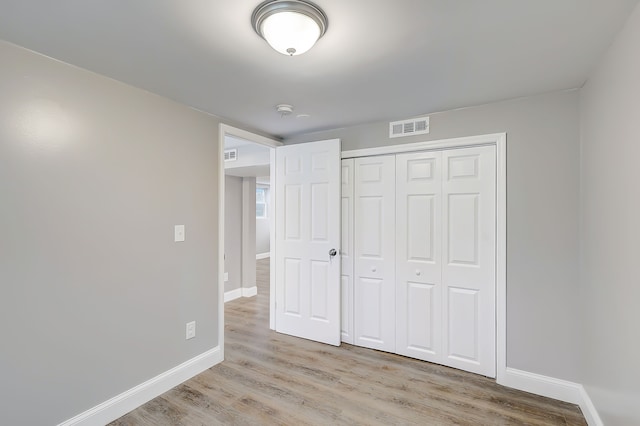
(284, 109)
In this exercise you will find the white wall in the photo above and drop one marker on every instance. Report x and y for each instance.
(610, 206)
(543, 309)
(94, 293)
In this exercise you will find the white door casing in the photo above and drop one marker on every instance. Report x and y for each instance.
(307, 229)
(346, 251)
(469, 258)
(418, 255)
(374, 247)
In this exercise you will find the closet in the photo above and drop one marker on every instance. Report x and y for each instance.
(419, 255)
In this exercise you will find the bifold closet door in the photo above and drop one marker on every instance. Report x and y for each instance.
(346, 251)
(418, 255)
(469, 257)
(374, 267)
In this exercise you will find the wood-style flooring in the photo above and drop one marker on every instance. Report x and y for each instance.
(270, 378)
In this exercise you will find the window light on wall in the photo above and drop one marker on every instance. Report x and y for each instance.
(261, 203)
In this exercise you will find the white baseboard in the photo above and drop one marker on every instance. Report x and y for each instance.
(240, 292)
(232, 295)
(121, 404)
(589, 410)
(263, 255)
(551, 387)
(249, 292)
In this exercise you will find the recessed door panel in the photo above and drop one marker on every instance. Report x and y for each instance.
(319, 162)
(370, 311)
(463, 324)
(420, 227)
(319, 213)
(293, 205)
(463, 166)
(320, 290)
(371, 229)
(463, 228)
(292, 286)
(420, 168)
(420, 317)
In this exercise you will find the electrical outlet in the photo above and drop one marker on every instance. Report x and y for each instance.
(226, 277)
(191, 330)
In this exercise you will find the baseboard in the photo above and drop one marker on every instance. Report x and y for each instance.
(232, 295)
(121, 404)
(249, 292)
(240, 292)
(589, 410)
(263, 255)
(551, 387)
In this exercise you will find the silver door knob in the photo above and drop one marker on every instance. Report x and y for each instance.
(333, 252)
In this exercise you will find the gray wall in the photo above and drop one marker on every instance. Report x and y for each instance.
(248, 232)
(233, 232)
(240, 232)
(542, 218)
(95, 295)
(263, 229)
(611, 230)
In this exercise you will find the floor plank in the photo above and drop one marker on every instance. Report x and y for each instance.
(270, 378)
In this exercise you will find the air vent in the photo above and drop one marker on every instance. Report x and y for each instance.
(415, 126)
(230, 154)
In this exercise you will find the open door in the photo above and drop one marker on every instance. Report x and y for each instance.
(307, 265)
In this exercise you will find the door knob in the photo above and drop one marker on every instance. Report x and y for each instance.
(333, 252)
(418, 272)
(373, 269)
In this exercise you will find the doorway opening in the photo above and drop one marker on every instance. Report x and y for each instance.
(245, 174)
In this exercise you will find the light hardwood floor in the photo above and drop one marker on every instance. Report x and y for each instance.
(269, 378)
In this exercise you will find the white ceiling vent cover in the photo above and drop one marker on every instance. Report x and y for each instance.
(415, 126)
(230, 154)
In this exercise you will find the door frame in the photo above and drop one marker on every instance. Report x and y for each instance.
(227, 130)
(499, 140)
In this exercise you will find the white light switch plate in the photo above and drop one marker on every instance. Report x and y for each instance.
(191, 330)
(178, 233)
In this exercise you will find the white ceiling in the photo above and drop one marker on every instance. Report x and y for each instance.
(379, 60)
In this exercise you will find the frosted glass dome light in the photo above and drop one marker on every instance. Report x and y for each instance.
(290, 27)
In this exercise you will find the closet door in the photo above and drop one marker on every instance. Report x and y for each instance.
(468, 250)
(418, 256)
(374, 274)
(346, 251)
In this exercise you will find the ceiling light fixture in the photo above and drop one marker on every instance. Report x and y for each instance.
(289, 26)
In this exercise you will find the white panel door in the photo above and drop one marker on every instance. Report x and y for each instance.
(418, 256)
(346, 251)
(468, 250)
(307, 231)
(374, 273)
